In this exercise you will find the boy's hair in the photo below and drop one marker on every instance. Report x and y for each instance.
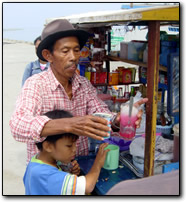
(56, 114)
(38, 38)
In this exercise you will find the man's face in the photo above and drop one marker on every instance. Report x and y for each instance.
(64, 150)
(65, 57)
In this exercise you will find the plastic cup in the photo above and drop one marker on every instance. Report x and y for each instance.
(127, 123)
(112, 158)
(107, 117)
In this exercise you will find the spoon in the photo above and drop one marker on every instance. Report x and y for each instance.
(130, 108)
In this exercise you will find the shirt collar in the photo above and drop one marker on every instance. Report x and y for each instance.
(76, 81)
(35, 160)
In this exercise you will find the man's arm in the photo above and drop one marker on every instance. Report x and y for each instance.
(90, 126)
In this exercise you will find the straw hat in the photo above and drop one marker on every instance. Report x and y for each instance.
(58, 29)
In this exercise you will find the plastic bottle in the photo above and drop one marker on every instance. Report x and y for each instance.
(109, 90)
(120, 94)
(132, 92)
(126, 93)
(116, 105)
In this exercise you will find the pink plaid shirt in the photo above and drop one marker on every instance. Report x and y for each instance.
(42, 93)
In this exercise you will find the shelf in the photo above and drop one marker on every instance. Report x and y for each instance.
(106, 84)
(112, 58)
(121, 100)
(160, 85)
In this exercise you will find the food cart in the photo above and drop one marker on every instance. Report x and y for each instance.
(153, 17)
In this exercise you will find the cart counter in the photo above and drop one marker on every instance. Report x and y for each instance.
(107, 178)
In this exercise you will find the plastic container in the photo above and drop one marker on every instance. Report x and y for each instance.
(133, 74)
(93, 145)
(124, 50)
(134, 50)
(113, 78)
(88, 75)
(143, 74)
(120, 71)
(94, 78)
(127, 76)
(163, 129)
(123, 144)
(145, 55)
(167, 47)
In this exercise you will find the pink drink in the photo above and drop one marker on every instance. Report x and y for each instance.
(127, 124)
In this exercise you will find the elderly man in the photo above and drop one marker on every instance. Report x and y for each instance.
(60, 87)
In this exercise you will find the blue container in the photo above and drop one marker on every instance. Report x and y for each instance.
(167, 47)
(82, 70)
(93, 145)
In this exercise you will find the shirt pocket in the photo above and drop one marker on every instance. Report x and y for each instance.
(79, 104)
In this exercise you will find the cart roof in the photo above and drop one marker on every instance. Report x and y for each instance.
(119, 17)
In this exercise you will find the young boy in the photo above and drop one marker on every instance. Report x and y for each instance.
(44, 177)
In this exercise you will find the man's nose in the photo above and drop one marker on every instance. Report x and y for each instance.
(72, 55)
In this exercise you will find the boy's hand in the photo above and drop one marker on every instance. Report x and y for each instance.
(75, 169)
(101, 155)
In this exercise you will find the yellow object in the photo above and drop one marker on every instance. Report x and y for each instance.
(165, 14)
(115, 87)
(113, 78)
(88, 75)
(159, 96)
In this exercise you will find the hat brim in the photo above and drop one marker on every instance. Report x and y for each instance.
(48, 41)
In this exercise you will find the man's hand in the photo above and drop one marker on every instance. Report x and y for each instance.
(90, 126)
(139, 115)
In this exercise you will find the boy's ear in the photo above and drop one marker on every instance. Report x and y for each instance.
(47, 146)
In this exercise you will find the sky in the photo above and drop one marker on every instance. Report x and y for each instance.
(21, 15)
(25, 21)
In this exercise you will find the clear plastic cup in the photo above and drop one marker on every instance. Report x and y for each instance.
(127, 123)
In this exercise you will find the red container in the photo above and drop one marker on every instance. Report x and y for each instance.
(103, 77)
(127, 76)
(120, 71)
(94, 78)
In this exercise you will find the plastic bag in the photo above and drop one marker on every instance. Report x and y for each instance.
(138, 97)
(163, 148)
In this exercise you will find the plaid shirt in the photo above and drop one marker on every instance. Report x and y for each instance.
(42, 93)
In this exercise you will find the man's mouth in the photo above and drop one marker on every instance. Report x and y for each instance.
(72, 67)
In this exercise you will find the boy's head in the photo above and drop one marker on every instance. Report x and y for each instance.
(61, 147)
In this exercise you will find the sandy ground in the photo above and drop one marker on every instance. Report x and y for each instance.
(15, 58)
